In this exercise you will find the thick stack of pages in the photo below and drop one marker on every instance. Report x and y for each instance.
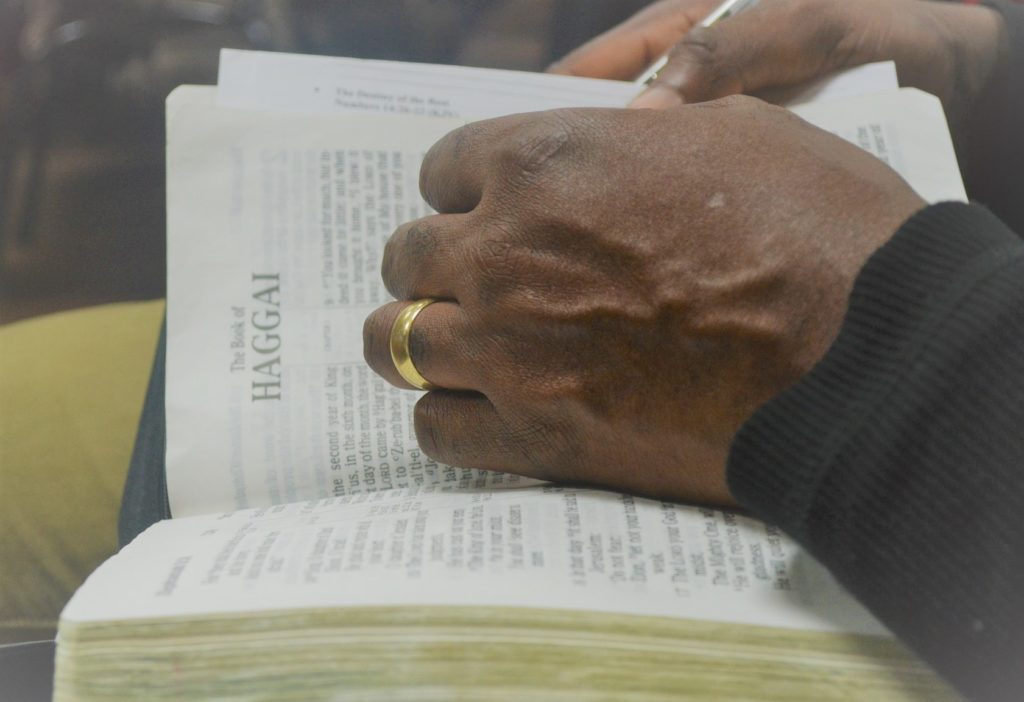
(518, 594)
(316, 553)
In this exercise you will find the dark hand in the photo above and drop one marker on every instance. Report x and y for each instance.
(948, 49)
(624, 287)
(626, 51)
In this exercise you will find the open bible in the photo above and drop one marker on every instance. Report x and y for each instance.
(316, 553)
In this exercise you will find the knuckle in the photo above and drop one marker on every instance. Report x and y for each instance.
(537, 145)
(753, 108)
(432, 420)
(699, 46)
(433, 160)
(419, 239)
(498, 261)
(739, 102)
(703, 65)
(495, 262)
(437, 170)
(389, 267)
(839, 32)
(546, 446)
(375, 334)
(424, 422)
(419, 345)
(535, 438)
(404, 252)
(738, 105)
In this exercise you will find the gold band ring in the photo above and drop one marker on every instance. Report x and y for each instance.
(400, 354)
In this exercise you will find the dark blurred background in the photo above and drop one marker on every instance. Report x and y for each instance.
(82, 86)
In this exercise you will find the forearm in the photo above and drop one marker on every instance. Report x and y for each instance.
(993, 157)
(898, 461)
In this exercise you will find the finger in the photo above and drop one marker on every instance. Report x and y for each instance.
(439, 344)
(423, 258)
(738, 55)
(618, 55)
(625, 51)
(456, 168)
(465, 430)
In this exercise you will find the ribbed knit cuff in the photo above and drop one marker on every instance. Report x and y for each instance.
(785, 452)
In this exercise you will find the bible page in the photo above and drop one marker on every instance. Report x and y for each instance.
(276, 226)
(264, 80)
(905, 128)
(305, 84)
(539, 546)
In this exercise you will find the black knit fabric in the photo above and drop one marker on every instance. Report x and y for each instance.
(899, 459)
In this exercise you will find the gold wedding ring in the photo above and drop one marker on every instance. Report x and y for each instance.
(400, 353)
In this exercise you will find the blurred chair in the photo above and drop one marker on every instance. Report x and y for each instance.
(574, 22)
(82, 87)
(71, 60)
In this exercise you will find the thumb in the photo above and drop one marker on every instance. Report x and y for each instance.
(776, 44)
(624, 51)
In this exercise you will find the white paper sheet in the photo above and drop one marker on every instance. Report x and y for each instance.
(859, 80)
(532, 547)
(276, 223)
(906, 129)
(260, 80)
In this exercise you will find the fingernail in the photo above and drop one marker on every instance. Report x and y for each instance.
(657, 98)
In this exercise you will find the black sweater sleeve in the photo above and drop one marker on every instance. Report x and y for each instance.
(898, 461)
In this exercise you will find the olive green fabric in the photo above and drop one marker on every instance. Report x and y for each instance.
(71, 391)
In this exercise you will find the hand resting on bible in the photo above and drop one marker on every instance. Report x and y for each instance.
(620, 289)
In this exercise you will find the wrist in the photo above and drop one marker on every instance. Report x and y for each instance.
(918, 281)
(972, 41)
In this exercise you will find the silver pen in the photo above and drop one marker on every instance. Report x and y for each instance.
(726, 9)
